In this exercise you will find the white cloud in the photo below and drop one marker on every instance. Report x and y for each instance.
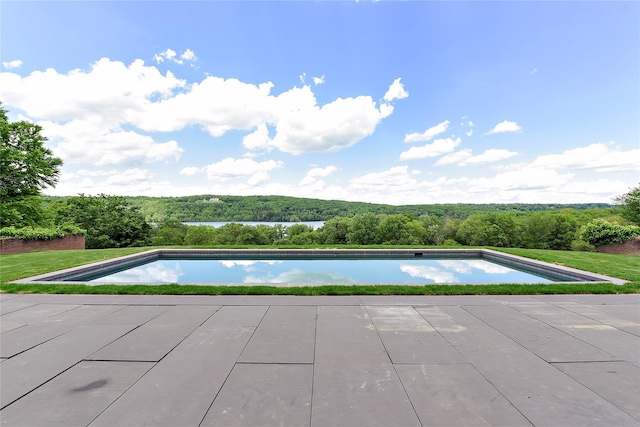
(139, 96)
(599, 157)
(16, 63)
(436, 148)
(318, 80)
(394, 178)
(489, 156)
(129, 177)
(395, 91)
(191, 170)
(228, 168)
(167, 54)
(171, 55)
(313, 174)
(505, 126)
(189, 55)
(469, 133)
(109, 90)
(427, 134)
(91, 141)
(455, 158)
(258, 139)
(303, 77)
(303, 126)
(465, 157)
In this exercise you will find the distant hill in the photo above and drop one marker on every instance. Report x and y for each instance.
(208, 207)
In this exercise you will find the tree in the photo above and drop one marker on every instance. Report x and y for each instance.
(489, 230)
(170, 232)
(26, 167)
(630, 205)
(336, 230)
(364, 229)
(543, 230)
(200, 235)
(110, 221)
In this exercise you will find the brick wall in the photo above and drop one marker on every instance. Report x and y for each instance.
(18, 246)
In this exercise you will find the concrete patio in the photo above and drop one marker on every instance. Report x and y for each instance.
(110, 360)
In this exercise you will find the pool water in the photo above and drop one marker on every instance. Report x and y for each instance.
(281, 272)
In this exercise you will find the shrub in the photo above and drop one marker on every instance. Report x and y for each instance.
(582, 246)
(39, 233)
(600, 232)
(450, 242)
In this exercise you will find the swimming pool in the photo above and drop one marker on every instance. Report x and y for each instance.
(312, 267)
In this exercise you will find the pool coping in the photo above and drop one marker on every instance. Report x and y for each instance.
(57, 277)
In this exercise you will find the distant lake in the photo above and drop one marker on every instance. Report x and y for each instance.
(314, 224)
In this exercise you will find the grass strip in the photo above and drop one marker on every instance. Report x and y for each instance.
(176, 289)
(626, 267)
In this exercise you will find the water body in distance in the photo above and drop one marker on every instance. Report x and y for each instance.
(314, 224)
(282, 272)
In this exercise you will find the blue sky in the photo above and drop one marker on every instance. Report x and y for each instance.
(385, 102)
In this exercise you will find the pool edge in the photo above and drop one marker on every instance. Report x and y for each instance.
(57, 277)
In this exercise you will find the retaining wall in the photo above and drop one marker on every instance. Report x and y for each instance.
(19, 246)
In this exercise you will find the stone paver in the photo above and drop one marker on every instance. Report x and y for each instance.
(117, 360)
(75, 397)
(264, 395)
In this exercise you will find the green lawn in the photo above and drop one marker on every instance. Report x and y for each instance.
(627, 267)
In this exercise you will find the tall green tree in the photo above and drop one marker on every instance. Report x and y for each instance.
(170, 232)
(110, 221)
(630, 205)
(543, 230)
(492, 229)
(364, 229)
(26, 167)
(336, 230)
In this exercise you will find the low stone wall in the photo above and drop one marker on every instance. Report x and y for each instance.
(19, 246)
(630, 247)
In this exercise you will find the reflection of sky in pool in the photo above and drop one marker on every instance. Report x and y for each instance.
(353, 271)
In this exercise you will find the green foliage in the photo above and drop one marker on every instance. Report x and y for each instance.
(110, 221)
(200, 235)
(450, 242)
(364, 229)
(26, 167)
(336, 230)
(170, 232)
(493, 229)
(40, 233)
(581, 245)
(284, 209)
(542, 230)
(600, 232)
(630, 205)
(24, 212)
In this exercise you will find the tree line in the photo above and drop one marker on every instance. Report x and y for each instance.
(204, 208)
(534, 230)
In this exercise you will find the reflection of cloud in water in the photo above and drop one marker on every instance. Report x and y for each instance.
(299, 276)
(246, 263)
(467, 266)
(148, 273)
(429, 273)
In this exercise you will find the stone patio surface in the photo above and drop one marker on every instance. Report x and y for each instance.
(114, 360)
